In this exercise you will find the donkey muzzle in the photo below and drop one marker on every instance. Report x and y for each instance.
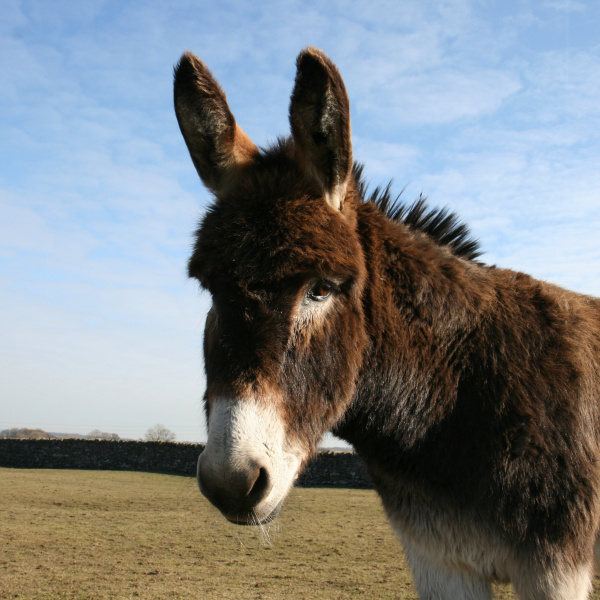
(248, 466)
(237, 487)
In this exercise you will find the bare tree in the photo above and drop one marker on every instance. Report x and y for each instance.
(159, 433)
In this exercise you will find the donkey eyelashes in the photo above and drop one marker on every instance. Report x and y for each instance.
(320, 290)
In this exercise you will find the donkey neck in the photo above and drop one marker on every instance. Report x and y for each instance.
(422, 307)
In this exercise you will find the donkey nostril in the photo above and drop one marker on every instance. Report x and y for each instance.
(260, 487)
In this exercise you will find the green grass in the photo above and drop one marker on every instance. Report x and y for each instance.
(107, 535)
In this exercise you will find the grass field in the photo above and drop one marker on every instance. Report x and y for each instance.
(109, 535)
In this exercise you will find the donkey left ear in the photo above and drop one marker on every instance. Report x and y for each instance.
(320, 122)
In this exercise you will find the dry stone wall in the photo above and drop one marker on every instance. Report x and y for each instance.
(328, 469)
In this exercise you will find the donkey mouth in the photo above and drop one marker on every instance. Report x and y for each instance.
(252, 518)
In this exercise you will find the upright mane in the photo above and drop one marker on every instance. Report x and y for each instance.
(441, 225)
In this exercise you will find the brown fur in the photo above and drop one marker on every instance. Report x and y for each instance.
(468, 390)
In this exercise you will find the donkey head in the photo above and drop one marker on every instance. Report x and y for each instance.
(280, 254)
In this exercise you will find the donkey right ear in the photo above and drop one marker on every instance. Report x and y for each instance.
(217, 145)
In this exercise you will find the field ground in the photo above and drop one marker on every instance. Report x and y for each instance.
(99, 535)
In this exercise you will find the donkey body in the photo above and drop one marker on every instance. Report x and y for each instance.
(471, 393)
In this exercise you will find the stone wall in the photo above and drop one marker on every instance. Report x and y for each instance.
(328, 469)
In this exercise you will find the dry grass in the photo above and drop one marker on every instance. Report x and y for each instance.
(106, 535)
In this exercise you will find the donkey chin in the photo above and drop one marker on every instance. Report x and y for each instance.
(247, 467)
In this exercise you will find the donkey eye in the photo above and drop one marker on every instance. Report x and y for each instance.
(320, 291)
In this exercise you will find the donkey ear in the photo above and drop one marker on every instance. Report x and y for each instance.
(320, 122)
(217, 145)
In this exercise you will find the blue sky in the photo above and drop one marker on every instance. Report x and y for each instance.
(489, 108)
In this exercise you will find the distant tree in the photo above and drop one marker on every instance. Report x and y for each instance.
(9, 433)
(96, 434)
(23, 433)
(159, 433)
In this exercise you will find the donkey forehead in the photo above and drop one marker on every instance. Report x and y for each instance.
(257, 236)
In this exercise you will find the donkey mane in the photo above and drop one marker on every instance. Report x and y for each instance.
(440, 224)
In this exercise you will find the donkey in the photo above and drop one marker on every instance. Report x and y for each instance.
(471, 393)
